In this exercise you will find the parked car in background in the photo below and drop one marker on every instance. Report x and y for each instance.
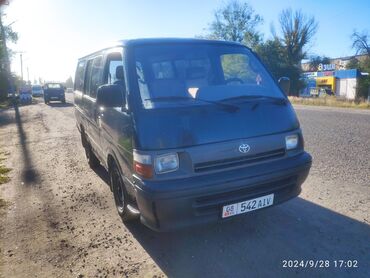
(190, 131)
(323, 92)
(69, 90)
(37, 91)
(54, 91)
(314, 92)
(25, 95)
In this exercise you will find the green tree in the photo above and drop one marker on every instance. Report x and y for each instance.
(6, 34)
(361, 44)
(283, 54)
(236, 21)
(354, 63)
(18, 82)
(364, 81)
(297, 31)
(273, 55)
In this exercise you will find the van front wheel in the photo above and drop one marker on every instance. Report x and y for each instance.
(120, 194)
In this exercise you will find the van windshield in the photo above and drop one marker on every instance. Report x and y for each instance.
(191, 74)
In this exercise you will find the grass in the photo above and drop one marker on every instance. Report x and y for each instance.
(6, 103)
(3, 203)
(331, 101)
(3, 174)
(4, 178)
(3, 170)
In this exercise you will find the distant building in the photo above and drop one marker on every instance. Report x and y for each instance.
(332, 78)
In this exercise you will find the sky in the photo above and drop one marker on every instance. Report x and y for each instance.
(54, 34)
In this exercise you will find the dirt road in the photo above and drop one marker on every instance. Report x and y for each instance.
(61, 221)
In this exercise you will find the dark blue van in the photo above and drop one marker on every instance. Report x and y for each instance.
(191, 131)
(54, 91)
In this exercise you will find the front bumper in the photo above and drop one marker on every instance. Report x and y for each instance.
(176, 204)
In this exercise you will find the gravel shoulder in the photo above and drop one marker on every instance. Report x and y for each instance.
(62, 222)
(339, 142)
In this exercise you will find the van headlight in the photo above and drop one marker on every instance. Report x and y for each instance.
(166, 163)
(291, 141)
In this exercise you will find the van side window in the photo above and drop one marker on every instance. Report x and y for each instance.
(87, 77)
(79, 78)
(114, 69)
(96, 76)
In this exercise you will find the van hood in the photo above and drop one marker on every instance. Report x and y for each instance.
(181, 127)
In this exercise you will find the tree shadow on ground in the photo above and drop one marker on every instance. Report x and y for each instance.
(103, 174)
(29, 174)
(5, 118)
(256, 244)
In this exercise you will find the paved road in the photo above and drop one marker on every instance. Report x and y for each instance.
(62, 222)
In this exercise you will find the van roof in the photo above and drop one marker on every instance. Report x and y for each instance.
(146, 41)
(172, 40)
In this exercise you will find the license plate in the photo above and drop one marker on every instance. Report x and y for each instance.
(247, 206)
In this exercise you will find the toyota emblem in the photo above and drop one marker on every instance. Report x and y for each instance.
(244, 148)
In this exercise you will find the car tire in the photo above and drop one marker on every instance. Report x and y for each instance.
(121, 197)
(83, 138)
(63, 101)
(92, 160)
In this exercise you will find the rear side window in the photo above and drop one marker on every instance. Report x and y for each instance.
(96, 76)
(87, 77)
(79, 78)
(114, 69)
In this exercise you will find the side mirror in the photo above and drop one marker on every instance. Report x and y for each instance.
(284, 83)
(110, 96)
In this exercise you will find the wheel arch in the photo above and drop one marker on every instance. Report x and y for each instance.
(111, 160)
(84, 137)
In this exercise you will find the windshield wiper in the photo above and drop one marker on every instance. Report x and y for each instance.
(226, 106)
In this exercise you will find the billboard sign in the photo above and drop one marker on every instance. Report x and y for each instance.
(325, 67)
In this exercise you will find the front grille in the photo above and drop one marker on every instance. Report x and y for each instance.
(213, 203)
(237, 161)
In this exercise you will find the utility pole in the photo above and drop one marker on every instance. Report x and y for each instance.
(21, 56)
